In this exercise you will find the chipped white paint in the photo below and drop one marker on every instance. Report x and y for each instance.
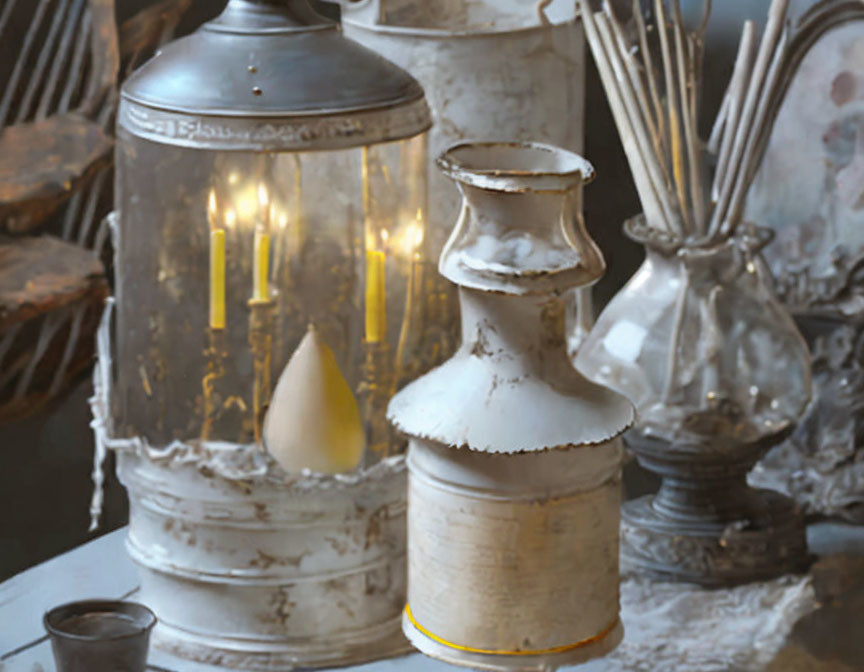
(247, 566)
(514, 457)
(256, 574)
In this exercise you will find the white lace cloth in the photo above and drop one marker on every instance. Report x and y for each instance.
(675, 627)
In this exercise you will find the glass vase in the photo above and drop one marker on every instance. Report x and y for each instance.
(719, 373)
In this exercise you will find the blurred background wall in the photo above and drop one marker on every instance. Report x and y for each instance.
(46, 460)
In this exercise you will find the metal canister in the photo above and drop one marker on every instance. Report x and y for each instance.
(255, 573)
(492, 70)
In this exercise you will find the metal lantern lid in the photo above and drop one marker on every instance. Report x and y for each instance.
(271, 75)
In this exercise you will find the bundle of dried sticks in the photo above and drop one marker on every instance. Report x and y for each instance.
(657, 110)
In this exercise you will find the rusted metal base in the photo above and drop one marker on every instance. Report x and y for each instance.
(706, 525)
(513, 663)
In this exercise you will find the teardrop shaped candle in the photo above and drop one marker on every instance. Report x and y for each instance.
(313, 421)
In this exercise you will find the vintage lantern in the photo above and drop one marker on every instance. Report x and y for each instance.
(514, 457)
(270, 176)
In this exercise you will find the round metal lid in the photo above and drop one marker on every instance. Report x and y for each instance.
(271, 75)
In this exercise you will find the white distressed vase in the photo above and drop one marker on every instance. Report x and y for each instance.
(514, 457)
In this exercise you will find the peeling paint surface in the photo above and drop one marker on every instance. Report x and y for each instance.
(312, 572)
(514, 457)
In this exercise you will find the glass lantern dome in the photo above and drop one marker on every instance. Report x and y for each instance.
(270, 175)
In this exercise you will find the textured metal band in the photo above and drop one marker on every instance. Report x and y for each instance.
(540, 652)
(300, 133)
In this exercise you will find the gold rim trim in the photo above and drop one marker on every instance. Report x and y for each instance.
(540, 652)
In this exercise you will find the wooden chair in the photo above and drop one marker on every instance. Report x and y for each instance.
(58, 95)
(54, 105)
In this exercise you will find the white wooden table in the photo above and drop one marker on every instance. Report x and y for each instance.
(101, 569)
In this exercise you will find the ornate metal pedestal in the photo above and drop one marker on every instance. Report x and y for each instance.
(706, 525)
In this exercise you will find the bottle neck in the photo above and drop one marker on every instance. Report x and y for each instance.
(515, 242)
(514, 332)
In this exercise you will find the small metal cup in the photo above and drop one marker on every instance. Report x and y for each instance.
(103, 635)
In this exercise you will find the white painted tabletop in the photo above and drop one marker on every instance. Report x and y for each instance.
(101, 569)
(665, 624)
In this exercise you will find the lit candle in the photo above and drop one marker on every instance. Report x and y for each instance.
(416, 235)
(376, 294)
(261, 266)
(217, 266)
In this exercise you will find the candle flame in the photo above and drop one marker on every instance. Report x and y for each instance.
(233, 178)
(247, 204)
(283, 220)
(230, 219)
(263, 196)
(418, 231)
(377, 241)
(410, 236)
(212, 208)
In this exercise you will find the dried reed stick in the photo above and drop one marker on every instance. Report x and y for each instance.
(648, 66)
(647, 193)
(657, 114)
(735, 93)
(655, 177)
(647, 114)
(685, 78)
(767, 48)
(742, 183)
(672, 107)
(720, 125)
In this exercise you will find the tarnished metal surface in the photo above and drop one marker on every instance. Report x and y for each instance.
(299, 85)
(514, 457)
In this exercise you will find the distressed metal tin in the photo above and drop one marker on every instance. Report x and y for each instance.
(514, 457)
(258, 573)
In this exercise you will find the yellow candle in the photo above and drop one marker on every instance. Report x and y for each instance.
(217, 279)
(376, 296)
(261, 290)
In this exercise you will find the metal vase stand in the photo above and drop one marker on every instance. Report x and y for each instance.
(706, 525)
